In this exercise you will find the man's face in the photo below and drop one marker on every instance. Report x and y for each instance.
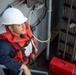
(18, 29)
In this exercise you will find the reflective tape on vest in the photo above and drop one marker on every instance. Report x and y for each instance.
(28, 49)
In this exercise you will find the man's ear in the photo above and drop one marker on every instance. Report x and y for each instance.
(10, 28)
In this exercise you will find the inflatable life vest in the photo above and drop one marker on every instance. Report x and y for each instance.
(25, 47)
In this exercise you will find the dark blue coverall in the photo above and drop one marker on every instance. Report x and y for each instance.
(6, 58)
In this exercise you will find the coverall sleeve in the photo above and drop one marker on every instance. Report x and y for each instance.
(6, 56)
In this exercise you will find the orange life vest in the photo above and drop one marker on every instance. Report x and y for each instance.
(19, 43)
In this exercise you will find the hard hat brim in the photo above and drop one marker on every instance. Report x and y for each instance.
(19, 22)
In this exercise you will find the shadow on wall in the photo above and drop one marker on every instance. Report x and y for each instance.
(57, 7)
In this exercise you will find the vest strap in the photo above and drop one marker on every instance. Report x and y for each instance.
(22, 49)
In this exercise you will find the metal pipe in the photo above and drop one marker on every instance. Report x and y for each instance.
(49, 27)
(35, 71)
(39, 71)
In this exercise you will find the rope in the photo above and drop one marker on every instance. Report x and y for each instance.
(66, 40)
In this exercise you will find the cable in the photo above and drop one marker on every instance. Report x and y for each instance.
(42, 17)
(29, 18)
(43, 41)
(17, 4)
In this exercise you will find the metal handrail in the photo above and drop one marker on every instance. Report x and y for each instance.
(32, 70)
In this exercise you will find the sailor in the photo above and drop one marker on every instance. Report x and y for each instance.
(17, 44)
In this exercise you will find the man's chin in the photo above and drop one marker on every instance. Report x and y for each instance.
(23, 32)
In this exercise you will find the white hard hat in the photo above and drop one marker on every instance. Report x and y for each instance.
(11, 16)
